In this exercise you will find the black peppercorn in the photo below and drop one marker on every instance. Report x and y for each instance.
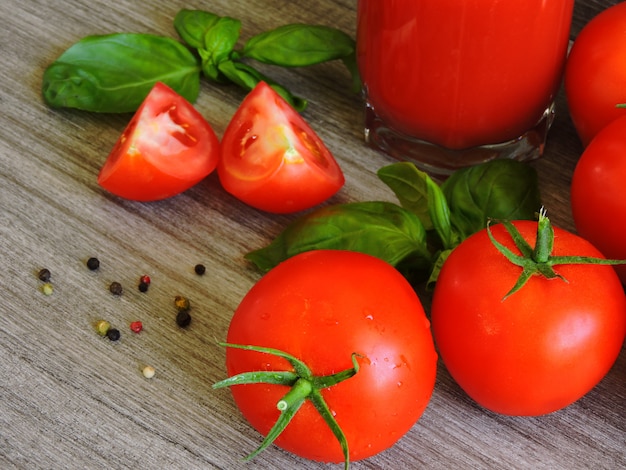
(93, 263)
(44, 275)
(113, 334)
(183, 318)
(143, 286)
(116, 288)
(199, 269)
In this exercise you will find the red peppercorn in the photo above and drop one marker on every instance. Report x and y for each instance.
(145, 279)
(136, 326)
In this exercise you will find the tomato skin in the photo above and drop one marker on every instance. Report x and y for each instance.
(271, 158)
(167, 148)
(598, 195)
(322, 306)
(595, 76)
(541, 348)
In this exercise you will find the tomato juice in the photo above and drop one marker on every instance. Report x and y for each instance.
(462, 73)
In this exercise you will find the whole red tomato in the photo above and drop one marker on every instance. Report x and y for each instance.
(272, 159)
(598, 193)
(540, 348)
(595, 73)
(166, 149)
(322, 307)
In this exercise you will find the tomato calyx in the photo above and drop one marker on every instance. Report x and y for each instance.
(538, 260)
(303, 386)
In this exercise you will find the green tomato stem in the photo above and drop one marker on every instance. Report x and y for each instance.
(303, 386)
(539, 260)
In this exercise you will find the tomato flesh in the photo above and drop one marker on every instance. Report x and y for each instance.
(323, 306)
(597, 193)
(272, 159)
(541, 348)
(166, 148)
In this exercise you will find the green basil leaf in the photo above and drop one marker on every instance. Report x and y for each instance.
(501, 189)
(247, 77)
(114, 73)
(192, 26)
(299, 45)
(409, 186)
(381, 229)
(439, 212)
(219, 42)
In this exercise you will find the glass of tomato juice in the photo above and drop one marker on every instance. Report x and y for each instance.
(453, 83)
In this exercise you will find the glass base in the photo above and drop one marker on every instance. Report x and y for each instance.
(441, 162)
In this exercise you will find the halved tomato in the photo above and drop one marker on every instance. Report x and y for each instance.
(271, 159)
(166, 149)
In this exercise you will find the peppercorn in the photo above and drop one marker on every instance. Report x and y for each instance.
(136, 326)
(103, 327)
(113, 334)
(115, 288)
(93, 263)
(143, 287)
(148, 372)
(44, 275)
(145, 279)
(182, 303)
(47, 288)
(183, 318)
(200, 269)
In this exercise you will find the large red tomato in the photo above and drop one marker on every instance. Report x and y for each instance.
(595, 73)
(272, 159)
(598, 193)
(166, 148)
(542, 347)
(322, 307)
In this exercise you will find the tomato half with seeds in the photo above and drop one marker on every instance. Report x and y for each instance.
(167, 148)
(272, 160)
(540, 348)
(323, 307)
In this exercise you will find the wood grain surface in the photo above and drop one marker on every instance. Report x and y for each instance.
(71, 399)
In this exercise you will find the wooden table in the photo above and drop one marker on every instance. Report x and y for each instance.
(71, 399)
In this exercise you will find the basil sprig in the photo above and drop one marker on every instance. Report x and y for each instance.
(418, 234)
(115, 72)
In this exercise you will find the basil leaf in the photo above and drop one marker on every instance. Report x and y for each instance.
(409, 186)
(501, 189)
(114, 73)
(381, 229)
(192, 26)
(219, 42)
(299, 45)
(247, 77)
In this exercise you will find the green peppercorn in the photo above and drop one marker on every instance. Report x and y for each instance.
(116, 288)
(200, 269)
(47, 288)
(44, 275)
(93, 263)
(113, 334)
(183, 318)
(103, 327)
